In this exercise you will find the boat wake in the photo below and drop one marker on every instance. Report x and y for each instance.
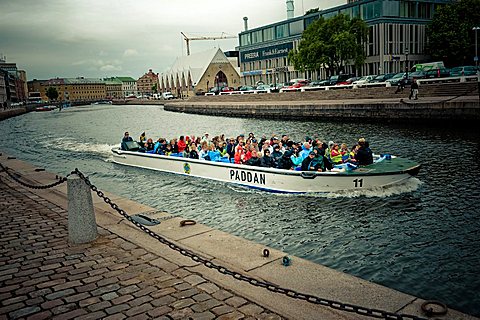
(70, 145)
(407, 186)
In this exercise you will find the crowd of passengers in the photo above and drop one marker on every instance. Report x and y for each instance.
(309, 155)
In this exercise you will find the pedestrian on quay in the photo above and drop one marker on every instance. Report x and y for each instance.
(400, 85)
(413, 90)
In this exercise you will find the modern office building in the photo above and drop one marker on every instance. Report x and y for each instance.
(396, 40)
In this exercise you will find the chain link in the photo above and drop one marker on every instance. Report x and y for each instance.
(48, 186)
(375, 313)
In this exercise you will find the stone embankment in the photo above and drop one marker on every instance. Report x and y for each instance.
(437, 102)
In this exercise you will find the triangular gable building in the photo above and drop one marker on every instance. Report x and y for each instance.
(198, 72)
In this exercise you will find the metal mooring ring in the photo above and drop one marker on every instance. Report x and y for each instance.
(286, 261)
(187, 222)
(266, 253)
(429, 311)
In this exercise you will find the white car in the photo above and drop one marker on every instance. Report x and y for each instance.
(365, 79)
(167, 95)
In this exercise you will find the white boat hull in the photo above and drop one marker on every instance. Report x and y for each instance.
(269, 179)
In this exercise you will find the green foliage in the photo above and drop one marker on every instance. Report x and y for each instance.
(312, 11)
(450, 35)
(52, 93)
(331, 43)
(154, 88)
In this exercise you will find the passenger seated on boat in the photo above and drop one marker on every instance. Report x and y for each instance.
(142, 138)
(276, 154)
(239, 153)
(193, 154)
(231, 148)
(173, 145)
(160, 146)
(206, 137)
(267, 161)
(318, 162)
(222, 147)
(305, 151)
(344, 152)
(335, 155)
(353, 154)
(203, 154)
(308, 164)
(248, 154)
(285, 162)
(295, 157)
(181, 144)
(168, 149)
(213, 153)
(126, 138)
(254, 159)
(364, 153)
(149, 145)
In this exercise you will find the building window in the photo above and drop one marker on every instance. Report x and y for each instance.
(296, 27)
(245, 39)
(269, 34)
(282, 31)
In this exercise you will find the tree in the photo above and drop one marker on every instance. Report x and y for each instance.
(450, 35)
(52, 93)
(331, 43)
(312, 11)
(154, 88)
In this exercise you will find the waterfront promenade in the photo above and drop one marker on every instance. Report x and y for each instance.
(125, 273)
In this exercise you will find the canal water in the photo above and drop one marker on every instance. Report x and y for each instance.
(421, 238)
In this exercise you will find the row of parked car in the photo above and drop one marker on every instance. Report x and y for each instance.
(394, 78)
(347, 79)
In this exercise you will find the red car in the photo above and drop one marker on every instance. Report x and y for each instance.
(297, 83)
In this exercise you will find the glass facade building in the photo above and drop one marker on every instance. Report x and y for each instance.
(396, 40)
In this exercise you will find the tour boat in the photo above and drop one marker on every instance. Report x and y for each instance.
(385, 171)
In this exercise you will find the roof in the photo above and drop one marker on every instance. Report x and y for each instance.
(126, 79)
(196, 64)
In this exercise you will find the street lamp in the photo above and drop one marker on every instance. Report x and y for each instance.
(476, 47)
(406, 62)
(476, 61)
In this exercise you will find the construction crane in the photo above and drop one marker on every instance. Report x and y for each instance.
(187, 39)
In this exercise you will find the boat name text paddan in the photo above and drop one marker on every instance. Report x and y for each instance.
(246, 176)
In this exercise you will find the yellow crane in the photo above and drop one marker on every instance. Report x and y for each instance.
(187, 39)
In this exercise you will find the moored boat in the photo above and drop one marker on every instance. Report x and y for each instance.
(45, 108)
(385, 171)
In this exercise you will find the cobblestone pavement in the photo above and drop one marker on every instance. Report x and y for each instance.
(42, 276)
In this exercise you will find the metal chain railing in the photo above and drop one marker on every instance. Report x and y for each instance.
(370, 312)
(375, 313)
(23, 183)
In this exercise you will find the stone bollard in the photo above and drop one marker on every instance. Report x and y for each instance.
(82, 227)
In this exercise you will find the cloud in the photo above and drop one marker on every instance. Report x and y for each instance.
(130, 53)
(109, 67)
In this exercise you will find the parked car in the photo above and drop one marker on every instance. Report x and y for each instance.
(339, 78)
(396, 78)
(463, 71)
(348, 81)
(365, 79)
(437, 73)
(415, 75)
(167, 95)
(297, 83)
(246, 88)
(383, 77)
(320, 83)
(264, 87)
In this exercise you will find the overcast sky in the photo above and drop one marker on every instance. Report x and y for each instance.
(99, 38)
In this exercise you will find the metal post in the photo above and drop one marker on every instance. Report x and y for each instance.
(476, 61)
(82, 227)
(406, 62)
